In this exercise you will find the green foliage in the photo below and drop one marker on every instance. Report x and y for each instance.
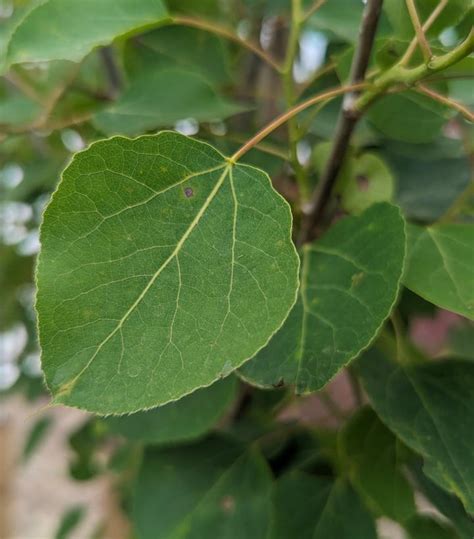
(69, 29)
(433, 394)
(227, 303)
(308, 507)
(439, 268)
(370, 457)
(36, 435)
(192, 312)
(160, 98)
(349, 283)
(186, 419)
(70, 520)
(213, 488)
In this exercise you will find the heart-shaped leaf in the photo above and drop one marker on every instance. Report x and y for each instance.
(349, 284)
(164, 267)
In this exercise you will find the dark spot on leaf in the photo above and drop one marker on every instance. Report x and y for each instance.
(228, 504)
(280, 383)
(188, 192)
(362, 182)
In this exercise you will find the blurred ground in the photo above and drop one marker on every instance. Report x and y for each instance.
(34, 495)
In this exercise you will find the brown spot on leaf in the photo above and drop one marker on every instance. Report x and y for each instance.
(357, 278)
(362, 182)
(188, 192)
(228, 504)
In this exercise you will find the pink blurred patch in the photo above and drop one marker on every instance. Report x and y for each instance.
(431, 334)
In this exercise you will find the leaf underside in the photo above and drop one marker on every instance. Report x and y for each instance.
(163, 268)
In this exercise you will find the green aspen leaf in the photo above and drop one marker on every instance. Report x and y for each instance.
(409, 117)
(426, 527)
(190, 417)
(440, 266)
(70, 29)
(212, 489)
(161, 98)
(164, 266)
(9, 25)
(341, 17)
(174, 46)
(421, 171)
(428, 407)
(369, 457)
(349, 283)
(446, 503)
(311, 507)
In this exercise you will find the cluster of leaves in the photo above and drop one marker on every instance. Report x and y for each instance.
(172, 302)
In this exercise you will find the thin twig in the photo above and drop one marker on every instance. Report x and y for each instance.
(229, 34)
(324, 70)
(468, 114)
(312, 10)
(347, 120)
(23, 86)
(420, 34)
(426, 26)
(283, 118)
(290, 98)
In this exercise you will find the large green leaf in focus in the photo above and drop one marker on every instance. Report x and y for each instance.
(311, 507)
(164, 267)
(188, 418)
(369, 457)
(159, 99)
(440, 265)
(214, 489)
(429, 407)
(69, 29)
(349, 283)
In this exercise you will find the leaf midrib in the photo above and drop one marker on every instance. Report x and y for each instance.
(66, 388)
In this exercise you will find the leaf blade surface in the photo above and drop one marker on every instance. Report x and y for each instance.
(163, 268)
